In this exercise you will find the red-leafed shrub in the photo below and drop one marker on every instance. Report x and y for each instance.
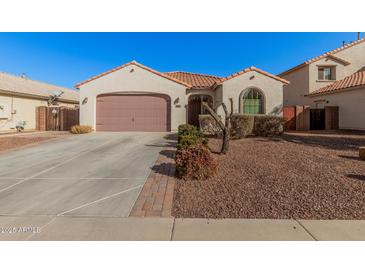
(195, 162)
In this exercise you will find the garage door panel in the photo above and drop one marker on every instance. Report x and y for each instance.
(133, 113)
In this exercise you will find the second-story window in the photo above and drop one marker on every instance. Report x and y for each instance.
(326, 73)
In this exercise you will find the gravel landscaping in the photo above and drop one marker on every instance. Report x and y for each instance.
(18, 140)
(298, 175)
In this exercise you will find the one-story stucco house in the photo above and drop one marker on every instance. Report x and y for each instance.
(133, 97)
(20, 96)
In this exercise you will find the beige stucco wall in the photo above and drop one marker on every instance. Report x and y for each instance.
(351, 107)
(133, 79)
(298, 87)
(305, 80)
(218, 96)
(23, 109)
(355, 55)
(271, 88)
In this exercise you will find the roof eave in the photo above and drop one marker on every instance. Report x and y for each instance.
(138, 65)
(34, 96)
(327, 54)
(302, 65)
(337, 59)
(316, 94)
(249, 69)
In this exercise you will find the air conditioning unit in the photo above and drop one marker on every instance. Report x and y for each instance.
(5, 110)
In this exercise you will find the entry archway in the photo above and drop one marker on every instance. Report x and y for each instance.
(195, 107)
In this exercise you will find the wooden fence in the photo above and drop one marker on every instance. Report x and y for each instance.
(297, 118)
(289, 114)
(303, 118)
(56, 118)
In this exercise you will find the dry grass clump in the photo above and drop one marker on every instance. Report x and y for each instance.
(81, 129)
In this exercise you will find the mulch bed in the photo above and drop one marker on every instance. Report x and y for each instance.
(301, 176)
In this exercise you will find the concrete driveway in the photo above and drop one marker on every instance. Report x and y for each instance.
(97, 174)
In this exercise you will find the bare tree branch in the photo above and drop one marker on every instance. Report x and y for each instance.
(214, 115)
(226, 127)
(231, 103)
(225, 109)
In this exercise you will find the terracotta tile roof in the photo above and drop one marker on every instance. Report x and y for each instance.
(252, 69)
(354, 80)
(188, 79)
(327, 54)
(196, 80)
(136, 64)
(22, 86)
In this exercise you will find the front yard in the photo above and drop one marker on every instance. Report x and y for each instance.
(298, 175)
(18, 140)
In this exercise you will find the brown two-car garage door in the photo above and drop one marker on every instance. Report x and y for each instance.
(132, 113)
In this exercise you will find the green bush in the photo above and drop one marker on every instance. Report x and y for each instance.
(81, 129)
(242, 125)
(189, 130)
(190, 140)
(195, 162)
(268, 125)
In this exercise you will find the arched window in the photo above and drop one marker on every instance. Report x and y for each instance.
(253, 102)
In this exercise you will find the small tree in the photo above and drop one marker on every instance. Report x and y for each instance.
(53, 99)
(226, 127)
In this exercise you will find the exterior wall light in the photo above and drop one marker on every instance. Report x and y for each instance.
(54, 112)
(177, 102)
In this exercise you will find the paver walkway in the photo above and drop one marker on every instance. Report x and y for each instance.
(156, 197)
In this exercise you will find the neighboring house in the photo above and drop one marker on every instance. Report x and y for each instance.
(19, 97)
(314, 75)
(349, 95)
(321, 71)
(133, 97)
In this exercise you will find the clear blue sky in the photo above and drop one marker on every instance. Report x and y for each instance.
(68, 58)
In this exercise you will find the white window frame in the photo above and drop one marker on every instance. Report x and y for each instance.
(331, 70)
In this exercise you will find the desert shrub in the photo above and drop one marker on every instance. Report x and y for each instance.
(242, 125)
(80, 129)
(195, 162)
(208, 126)
(268, 125)
(190, 140)
(189, 130)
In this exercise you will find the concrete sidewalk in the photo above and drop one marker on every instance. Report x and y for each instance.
(165, 229)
